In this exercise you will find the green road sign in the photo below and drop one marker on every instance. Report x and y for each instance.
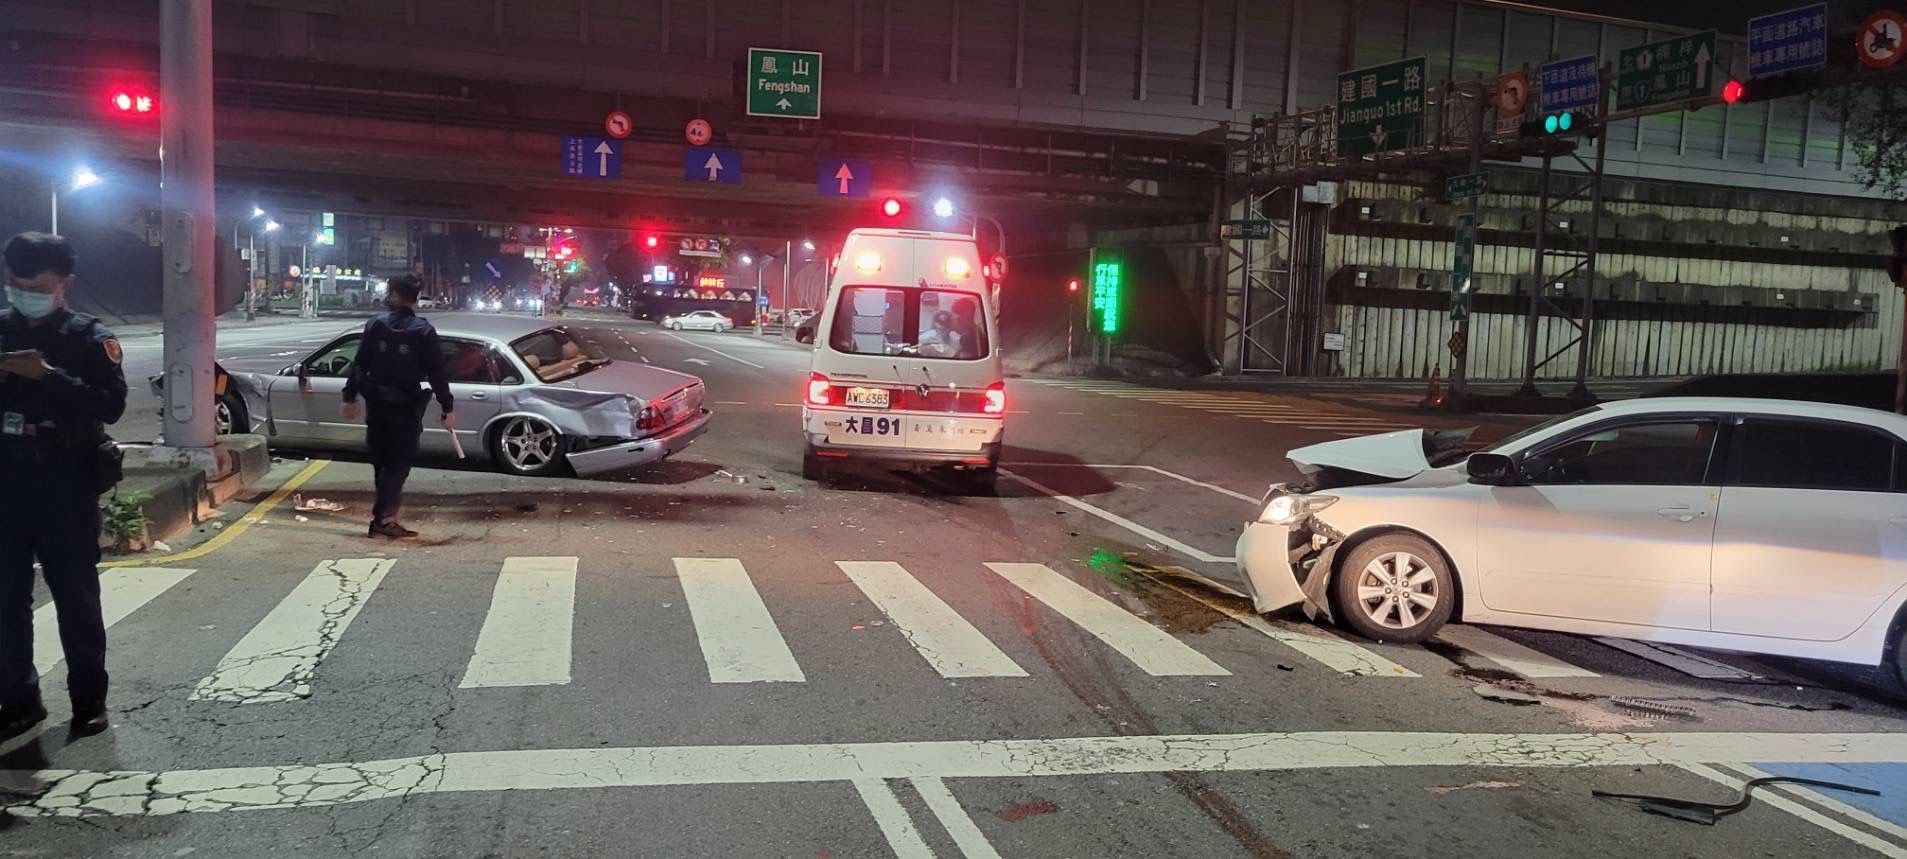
(1381, 108)
(1255, 229)
(1669, 70)
(1463, 261)
(1466, 186)
(784, 83)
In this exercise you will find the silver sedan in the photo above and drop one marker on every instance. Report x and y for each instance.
(530, 397)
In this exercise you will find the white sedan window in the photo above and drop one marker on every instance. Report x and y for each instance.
(1670, 453)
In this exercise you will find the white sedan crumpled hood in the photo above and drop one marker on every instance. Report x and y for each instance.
(1392, 455)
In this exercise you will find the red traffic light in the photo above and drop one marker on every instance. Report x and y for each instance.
(1072, 285)
(131, 101)
(651, 242)
(891, 207)
(1733, 91)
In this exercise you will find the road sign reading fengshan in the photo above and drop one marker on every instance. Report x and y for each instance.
(1381, 108)
(1666, 71)
(784, 83)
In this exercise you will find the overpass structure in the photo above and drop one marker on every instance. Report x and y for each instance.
(1733, 237)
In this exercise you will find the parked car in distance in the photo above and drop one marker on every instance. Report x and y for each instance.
(698, 320)
(1764, 526)
(804, 331)
(531, 397)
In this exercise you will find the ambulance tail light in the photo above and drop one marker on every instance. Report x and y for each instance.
(867, 262)
(958, 268)
(820, 390)
(996, 399)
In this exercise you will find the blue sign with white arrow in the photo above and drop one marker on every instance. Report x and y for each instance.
(844, 177)
(592, 157)
(709, 164)
(494, 269)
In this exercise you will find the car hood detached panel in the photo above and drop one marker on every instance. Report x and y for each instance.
(1376, 458)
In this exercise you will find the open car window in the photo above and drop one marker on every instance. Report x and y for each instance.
(333, 361)
(554, 354)
(909, 322)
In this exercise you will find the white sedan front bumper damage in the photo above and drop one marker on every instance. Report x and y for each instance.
(1284, 565)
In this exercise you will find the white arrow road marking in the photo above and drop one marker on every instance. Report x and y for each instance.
(714, 166)
(80, 793)
(603, 151)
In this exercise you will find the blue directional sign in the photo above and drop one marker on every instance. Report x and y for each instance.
(844, 177)
(1785, 41)
(493, 268)
(709, 164)
(1572, 84)
(592, 157)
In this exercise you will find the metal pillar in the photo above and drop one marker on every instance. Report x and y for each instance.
(251, 275)
(1264, 284)
(1536, 287)
(1460, 361)
(185, 172)
(55, 229)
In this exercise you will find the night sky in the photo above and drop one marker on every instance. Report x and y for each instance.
(1730, 16)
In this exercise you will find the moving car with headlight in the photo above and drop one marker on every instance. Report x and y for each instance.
(905, 368)
(532, 398)
(1764, 526)
(699, 320)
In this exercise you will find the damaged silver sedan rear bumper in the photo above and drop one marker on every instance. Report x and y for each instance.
(640, 452)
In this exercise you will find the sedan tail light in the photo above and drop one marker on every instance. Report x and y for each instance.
(648, 418)
(996, 399)
(819, 390)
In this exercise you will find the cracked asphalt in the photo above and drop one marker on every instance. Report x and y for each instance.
(348, 734)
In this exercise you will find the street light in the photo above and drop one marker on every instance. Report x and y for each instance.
(257, 212)
(83, 177)
(943, 208)
(807, 244)
(271, 226)
(747, 260)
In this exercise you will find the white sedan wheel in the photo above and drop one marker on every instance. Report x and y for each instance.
(1396, 590)
(1395, 587)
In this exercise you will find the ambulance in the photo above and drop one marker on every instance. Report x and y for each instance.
(906, 369)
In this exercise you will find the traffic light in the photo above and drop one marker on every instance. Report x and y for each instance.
(1897, 267)
(891, 207)
(131, 101)
(570, 267)
(1556, 124)
(1072, 285)
(651, 241)
(1771, 87)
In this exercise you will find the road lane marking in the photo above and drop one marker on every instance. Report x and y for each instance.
(1121, 521)
(739, 639)
(1692, 664)
(1510, 655)
(277, 660)
(945, 639)
(121, 592)
(895, 825)
(1822, 800)
(525, 639)
(1335, 653)
(1790, 806)
(966, 834)
(256, 515)
(77, 793)
(1152, 468)
(674, 336)
(1149, 647)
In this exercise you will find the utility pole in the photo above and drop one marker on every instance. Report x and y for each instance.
(185, 174)
(1460, 292)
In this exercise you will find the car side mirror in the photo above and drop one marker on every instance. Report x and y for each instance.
(1494, 469)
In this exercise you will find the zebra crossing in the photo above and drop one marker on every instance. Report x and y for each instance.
(525, 638)
(1243, 405)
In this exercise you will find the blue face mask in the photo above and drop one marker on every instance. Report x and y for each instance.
(32, 305)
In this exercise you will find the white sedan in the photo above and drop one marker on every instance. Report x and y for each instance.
(699, 320)
(1763, 526)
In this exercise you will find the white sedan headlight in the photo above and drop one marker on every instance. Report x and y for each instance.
(1290, 509)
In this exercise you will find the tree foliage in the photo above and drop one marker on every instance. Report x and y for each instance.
(1874, 114)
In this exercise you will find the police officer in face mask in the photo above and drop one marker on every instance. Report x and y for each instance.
(398, 353)
(60, 385)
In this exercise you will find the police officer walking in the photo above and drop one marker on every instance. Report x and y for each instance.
(60, 385)
(397, 354)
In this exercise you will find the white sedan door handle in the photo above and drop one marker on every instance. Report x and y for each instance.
(479, 395)
(1680, 514)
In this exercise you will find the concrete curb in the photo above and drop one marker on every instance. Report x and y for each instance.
(175, 496)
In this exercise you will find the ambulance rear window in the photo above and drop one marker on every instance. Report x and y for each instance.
(909, 322)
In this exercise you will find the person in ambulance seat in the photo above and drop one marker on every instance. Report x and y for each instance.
(941, 340)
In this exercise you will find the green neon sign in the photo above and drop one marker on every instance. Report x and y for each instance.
(1108, 281)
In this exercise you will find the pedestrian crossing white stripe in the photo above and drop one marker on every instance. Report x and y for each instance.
(966, 834)
(1146, 645)
(525, 639)
(121, 592)
(1335, 653)
(1692, 664)
(739, 639)
(888, 814)
(1509, 654)
(277, 660)
(945, 639)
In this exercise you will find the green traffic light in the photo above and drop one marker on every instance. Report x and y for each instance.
(1549, 124)
(1565, 120)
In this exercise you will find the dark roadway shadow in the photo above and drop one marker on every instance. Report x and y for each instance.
(669, 472)
(1060, 472)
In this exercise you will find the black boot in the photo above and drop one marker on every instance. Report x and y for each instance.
(89, 718)
(17, 719)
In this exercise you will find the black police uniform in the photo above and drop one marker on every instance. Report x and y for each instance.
(397, 354)
(50, 433)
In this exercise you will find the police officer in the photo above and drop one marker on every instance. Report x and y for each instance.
(60, 385)
(396, 355)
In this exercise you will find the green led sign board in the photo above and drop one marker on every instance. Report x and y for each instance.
(1108, 282)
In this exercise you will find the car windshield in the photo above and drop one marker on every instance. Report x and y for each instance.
(910, 322)
(554, 354)
(1514, 438)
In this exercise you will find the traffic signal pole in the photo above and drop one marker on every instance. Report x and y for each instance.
(1460, 362)
(185, 174)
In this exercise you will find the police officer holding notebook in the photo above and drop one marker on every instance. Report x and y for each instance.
(398, 353)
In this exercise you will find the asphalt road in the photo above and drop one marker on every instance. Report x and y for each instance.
(715, 657)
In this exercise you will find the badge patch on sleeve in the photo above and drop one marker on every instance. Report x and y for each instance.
(114, 350)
